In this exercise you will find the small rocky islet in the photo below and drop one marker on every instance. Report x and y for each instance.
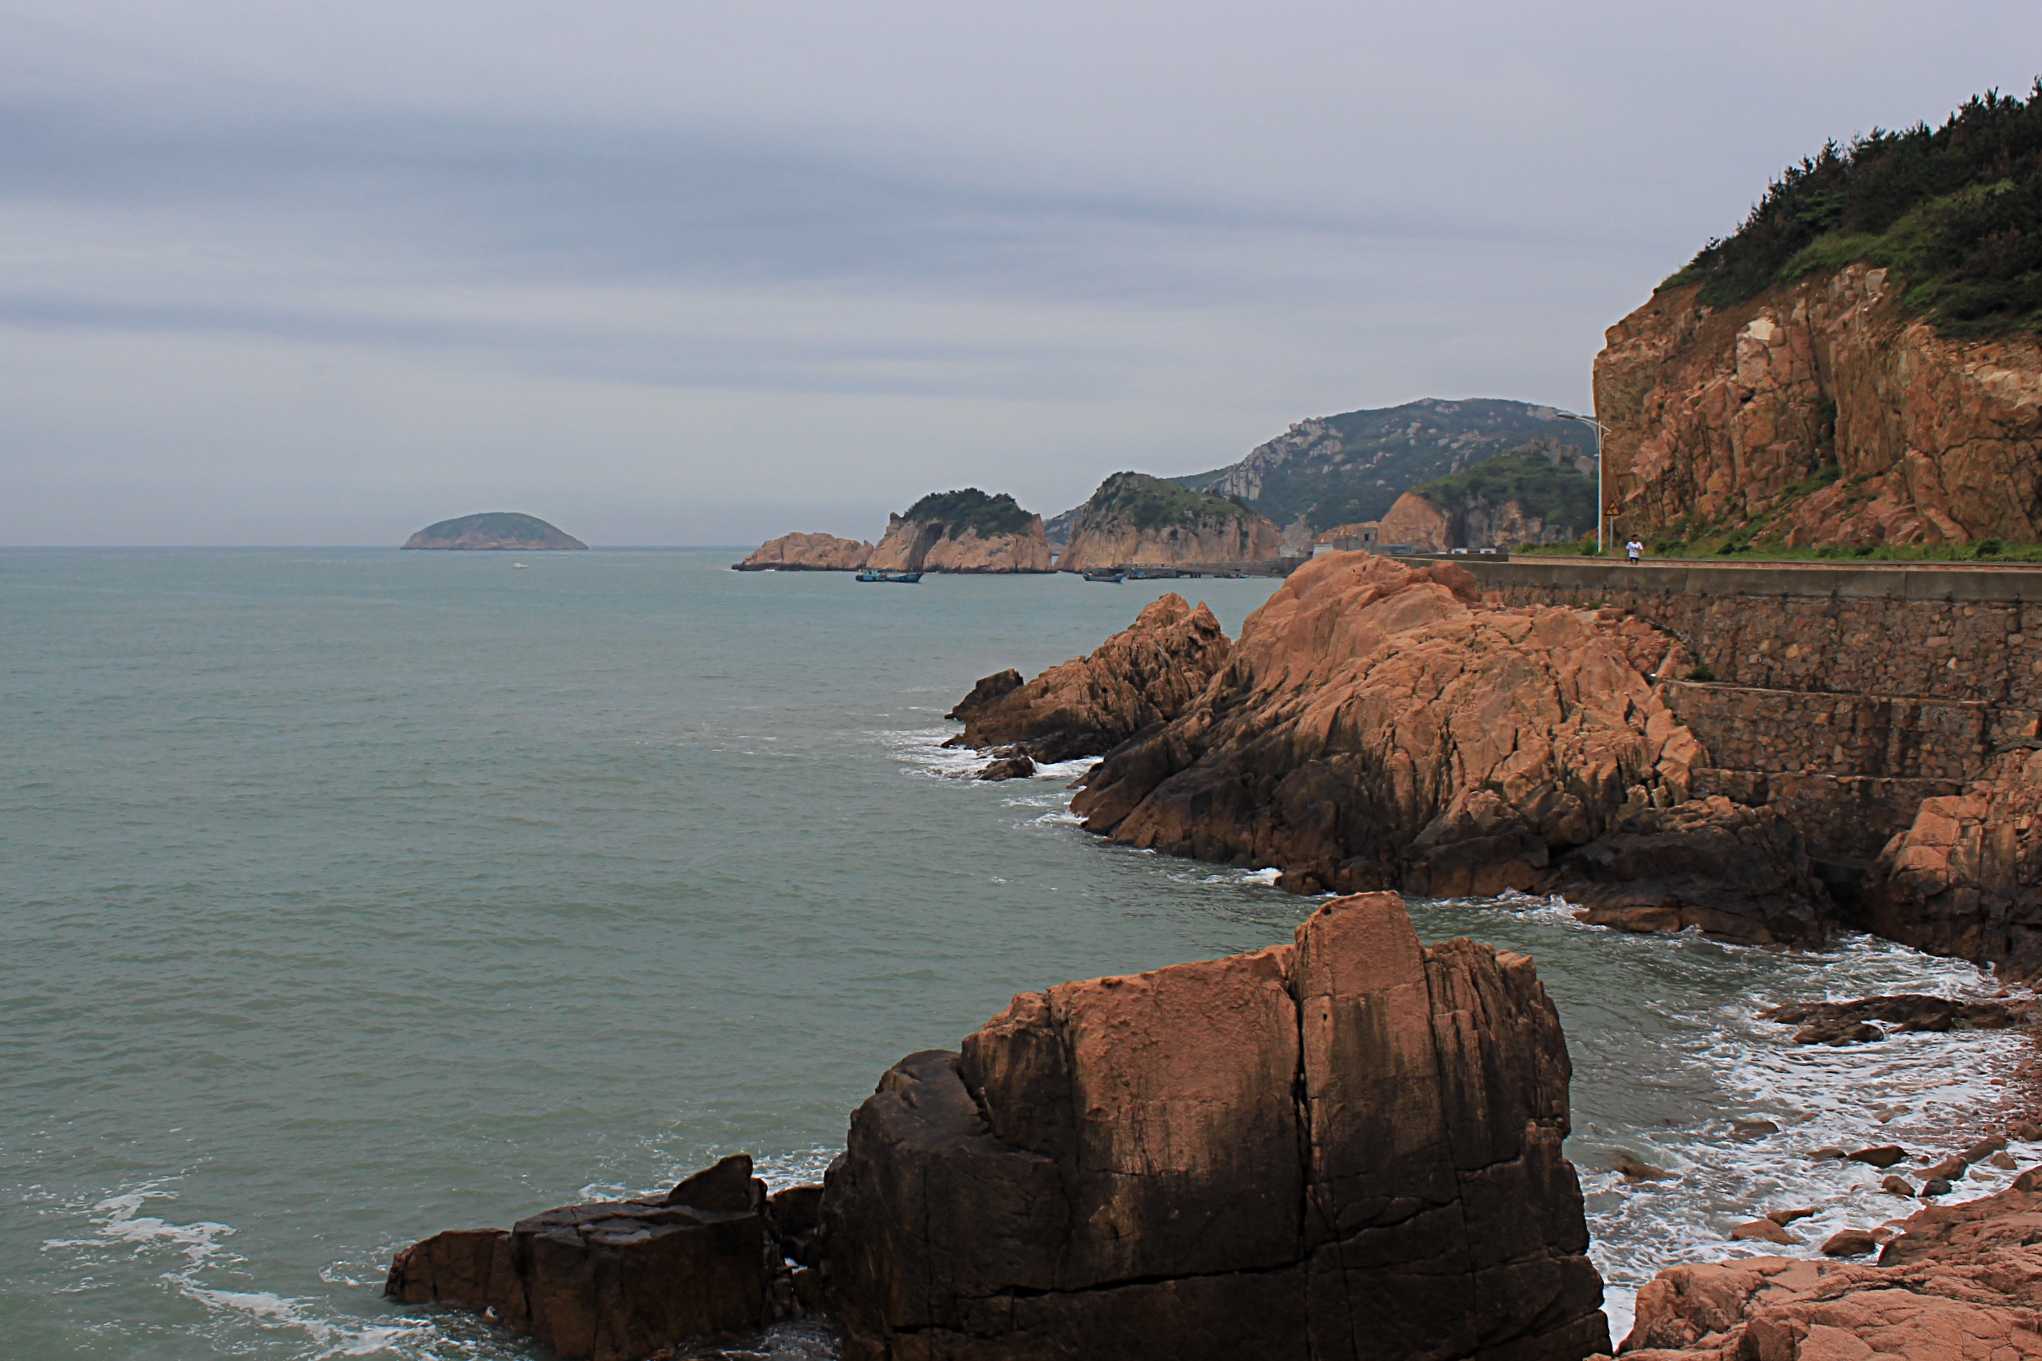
(494, 531)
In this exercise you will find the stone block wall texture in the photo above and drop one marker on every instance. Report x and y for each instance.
(1842, 696)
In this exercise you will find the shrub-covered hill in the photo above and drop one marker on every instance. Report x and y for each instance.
(970, 509)
(1335, 470)
(1558, 494)
(1955, 212)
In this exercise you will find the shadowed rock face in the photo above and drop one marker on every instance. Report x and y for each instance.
(1140, 676)
(618, 1280)
(1348, 1147)
(1376, 726)
(1961, 1281)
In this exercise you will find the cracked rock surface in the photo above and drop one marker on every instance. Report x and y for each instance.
(1346, 1147)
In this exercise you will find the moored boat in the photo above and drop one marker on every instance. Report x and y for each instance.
(894, 578)
(1105, 575)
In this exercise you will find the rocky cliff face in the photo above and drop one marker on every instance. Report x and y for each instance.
(1347, 1147)
(808, 552)
(1719, 417)
(935, 546)
(1377, 726)
(1143, 675)
(1134, 519)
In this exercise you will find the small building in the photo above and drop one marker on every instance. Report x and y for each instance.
(1359, 537)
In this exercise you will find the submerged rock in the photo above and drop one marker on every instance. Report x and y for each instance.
(619, 1280)
(1143, 675)
(1841, 1023)
(1346, 1147)
(1959, 1281)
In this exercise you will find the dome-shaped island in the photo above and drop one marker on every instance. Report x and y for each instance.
(496, 529)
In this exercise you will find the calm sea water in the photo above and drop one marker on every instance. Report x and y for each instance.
(349, 895)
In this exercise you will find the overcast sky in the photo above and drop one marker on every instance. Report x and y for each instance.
(283, 273)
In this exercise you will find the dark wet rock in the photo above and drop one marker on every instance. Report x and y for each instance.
(1984, 1148)
(1935, 1186)
(1883, 1156)
(1762, 1230)
(795, 1217)
(1631, 1169)
(1841, 1023)
(1949, 1169)
(1824, 1155)
(1850, 1243)
(1009, 763)
(1897, 1186)
(1346, 1147)
(1750, 1131)
(614, 1280)
(1784, 1217)
(1140, 677)
(1740, 874)
(989, 690)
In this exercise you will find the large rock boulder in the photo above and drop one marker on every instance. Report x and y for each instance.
(1377, 726)
(1143, 675)
(1966, 877)
(807, 553)
(1961, 1281)
(619, 1280)
(1347, 1147)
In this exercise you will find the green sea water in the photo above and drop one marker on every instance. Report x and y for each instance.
(349, 895)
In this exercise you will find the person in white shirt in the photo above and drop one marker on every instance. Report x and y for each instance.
(1633, 551)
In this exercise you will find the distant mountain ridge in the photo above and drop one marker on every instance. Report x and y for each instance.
(1335, 470)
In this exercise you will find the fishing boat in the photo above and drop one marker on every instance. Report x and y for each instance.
(1115, 577)
(892, 578)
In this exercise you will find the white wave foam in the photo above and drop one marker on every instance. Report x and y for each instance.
(277, 1311)
(119, 1219)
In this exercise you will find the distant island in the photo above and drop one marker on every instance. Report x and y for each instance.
(495, 530)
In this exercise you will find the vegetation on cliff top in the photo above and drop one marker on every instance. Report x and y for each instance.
(502, 528)
(1956, 212)
(971, 509)
(1558, 494)
(1145, 502)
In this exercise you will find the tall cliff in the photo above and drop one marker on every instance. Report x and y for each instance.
(1134, 518)
(962, 531)
(1859, 364)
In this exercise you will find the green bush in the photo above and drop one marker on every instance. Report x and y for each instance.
(958, 511)
(1956, 212)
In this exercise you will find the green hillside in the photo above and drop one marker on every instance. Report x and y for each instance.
(1145, 502)
(1955, 212)
(1559, 494)
(1339, 469)
(971, 509)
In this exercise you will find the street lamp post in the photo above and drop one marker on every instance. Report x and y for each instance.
(1600, 505)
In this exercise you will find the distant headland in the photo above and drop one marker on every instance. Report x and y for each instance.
(494, 530)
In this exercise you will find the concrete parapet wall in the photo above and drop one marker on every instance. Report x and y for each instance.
(1819, 732)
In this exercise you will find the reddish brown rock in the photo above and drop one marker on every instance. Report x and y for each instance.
(1959, 1282)
(1347, 1147)
(614, 1280)
(1715, 414)
(1143, 675)
(1966, 877)
(1762, 1229)
(807, 553)
(1377, 726)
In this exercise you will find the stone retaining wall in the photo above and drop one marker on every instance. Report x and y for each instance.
(1842, 696)
(1916, 633)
